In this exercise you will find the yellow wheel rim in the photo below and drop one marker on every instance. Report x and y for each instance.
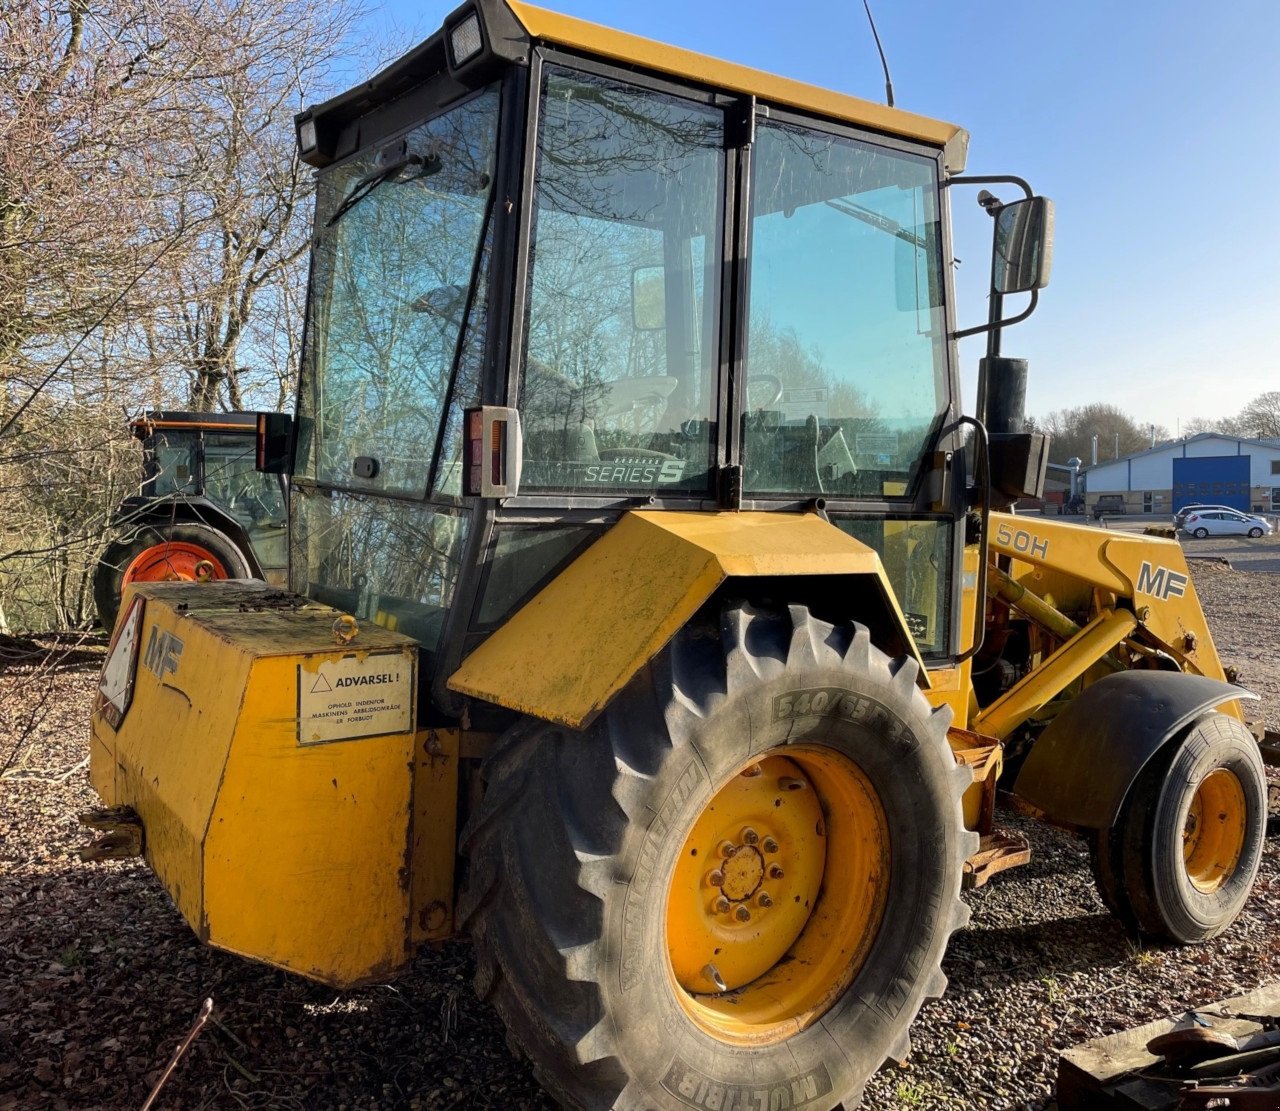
(777, 896)
(1213, 834)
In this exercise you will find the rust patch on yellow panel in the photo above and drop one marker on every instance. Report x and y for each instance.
(578, 642)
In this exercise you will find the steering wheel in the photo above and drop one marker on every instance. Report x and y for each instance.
(247, 500)
(761, 385)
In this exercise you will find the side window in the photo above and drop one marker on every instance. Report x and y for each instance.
(399, 231)
(173, 463)
(393, 563)
(618, 389)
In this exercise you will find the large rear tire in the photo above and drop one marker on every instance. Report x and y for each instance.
(735, 888)
(1180, 861)
(161, 552)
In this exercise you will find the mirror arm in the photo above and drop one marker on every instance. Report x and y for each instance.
(996, 179)
(980, 328)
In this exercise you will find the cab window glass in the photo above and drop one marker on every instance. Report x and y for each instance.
(173, 465)
(846, 346)
(917, 560)
(618, 381)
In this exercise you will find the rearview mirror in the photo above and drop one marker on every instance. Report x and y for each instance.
(648, 298)
(1023, 246)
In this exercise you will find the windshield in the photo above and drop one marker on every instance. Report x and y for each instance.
(846, 334)
(396, 301)
(619, 375)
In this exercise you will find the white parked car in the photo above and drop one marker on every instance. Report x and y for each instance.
(1202, 522)
(1179, 518)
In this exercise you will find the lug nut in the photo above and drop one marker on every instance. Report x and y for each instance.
(764, 899)
(770, 845)
(775, 872)
(715, 879)
(742, 914)
(752, 771)
(722, 905)
(750, 836)
(727, 849)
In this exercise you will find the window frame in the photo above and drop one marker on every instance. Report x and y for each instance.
(543, 56)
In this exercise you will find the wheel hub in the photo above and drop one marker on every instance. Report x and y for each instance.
(758, 945)
(1213, 831)
(741, 874)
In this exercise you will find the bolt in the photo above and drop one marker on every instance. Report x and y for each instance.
(743, 915)
(790, 783)
(752, 771)
(715, 879)
(750, 836)
(722, 905)
(727, 849)
(770, 845)
(764, 899)
(775, 871)
(713, 974)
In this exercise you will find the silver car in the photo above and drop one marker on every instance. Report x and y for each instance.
(1204, 520)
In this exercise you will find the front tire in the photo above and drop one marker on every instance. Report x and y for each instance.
(762, 831)
(1255, 533)
(1180, 861)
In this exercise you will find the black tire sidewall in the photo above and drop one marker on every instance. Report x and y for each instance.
(1201, 533)
(885, 729)
(1212, 743)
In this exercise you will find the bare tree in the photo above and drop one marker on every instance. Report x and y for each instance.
(1261, 417)
(152, 224)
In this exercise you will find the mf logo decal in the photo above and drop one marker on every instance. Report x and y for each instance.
(1160, 582)
(163, 650)
(1020, 540)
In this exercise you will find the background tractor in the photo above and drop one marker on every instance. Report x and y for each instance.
(654, 618)
(203, 508)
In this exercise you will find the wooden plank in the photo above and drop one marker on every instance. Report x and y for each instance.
(1093, 1074)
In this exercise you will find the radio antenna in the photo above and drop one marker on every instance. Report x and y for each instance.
(888, 81)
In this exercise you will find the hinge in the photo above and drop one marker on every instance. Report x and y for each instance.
(740, 123)
(729, 480)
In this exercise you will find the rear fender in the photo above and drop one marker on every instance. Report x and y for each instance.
(1081, 767)
(578, 641)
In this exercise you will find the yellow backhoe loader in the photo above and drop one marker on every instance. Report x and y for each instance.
(656, 617)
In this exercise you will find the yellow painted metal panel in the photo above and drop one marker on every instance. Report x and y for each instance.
(1149, 571)
(435, 821)
(306, 864)
(581, 639)
(171, 747)
(579, 34)
(273, 846)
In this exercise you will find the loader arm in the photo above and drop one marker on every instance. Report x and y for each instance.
(1073, 567)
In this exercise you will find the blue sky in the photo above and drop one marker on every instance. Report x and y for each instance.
(1153, 126)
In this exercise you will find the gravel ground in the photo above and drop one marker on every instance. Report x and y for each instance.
(100, 979)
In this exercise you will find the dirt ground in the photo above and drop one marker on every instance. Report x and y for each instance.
(100, 978)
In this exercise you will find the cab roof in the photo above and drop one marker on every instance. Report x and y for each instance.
(512, 28)
(619, 46)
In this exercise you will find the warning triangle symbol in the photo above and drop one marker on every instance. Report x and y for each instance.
(321, 685)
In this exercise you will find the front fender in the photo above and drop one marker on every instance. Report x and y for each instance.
(582, 638)
(1081, 767)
